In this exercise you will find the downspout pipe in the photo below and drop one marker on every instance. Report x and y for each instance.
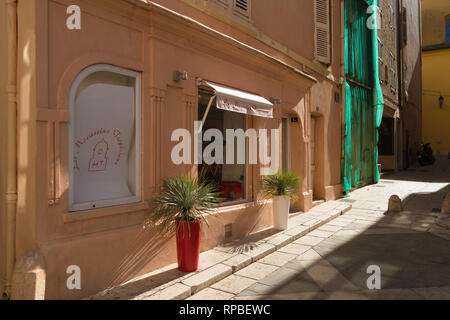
(11, 174)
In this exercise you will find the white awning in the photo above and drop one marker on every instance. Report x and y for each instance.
(240, 101)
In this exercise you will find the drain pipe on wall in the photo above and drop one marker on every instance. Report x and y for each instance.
(11, 174)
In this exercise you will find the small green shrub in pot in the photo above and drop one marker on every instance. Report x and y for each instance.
(282, 187)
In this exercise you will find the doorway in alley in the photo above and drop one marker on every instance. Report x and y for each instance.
(317, 157)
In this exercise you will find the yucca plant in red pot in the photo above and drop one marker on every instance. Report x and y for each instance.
(181, 207)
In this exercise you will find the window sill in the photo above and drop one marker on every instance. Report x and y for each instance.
(143, 206)
(104, 212)
(240, 205)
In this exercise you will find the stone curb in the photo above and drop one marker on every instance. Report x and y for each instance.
(444, 222)
(207, 277)
(177, 291)
(189, 285)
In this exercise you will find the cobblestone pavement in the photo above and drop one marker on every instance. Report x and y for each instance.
(331, 262)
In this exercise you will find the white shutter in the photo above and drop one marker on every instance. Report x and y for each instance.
(391, 14)
(380, 61)
(322, 31)
(393, 80)
(242, 7)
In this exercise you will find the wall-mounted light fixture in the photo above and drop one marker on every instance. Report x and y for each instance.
(441, 101)
(275, 100)
(179, 75)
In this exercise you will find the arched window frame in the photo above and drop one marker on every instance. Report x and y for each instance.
(137, 136)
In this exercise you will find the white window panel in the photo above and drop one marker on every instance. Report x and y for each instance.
(104, 138)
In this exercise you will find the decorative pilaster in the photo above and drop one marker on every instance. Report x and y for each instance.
(158, 100)
(53, 118)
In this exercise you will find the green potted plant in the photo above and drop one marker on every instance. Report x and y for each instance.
(180, 207)
(282, 187)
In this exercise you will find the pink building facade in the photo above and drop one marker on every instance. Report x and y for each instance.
(287, 53)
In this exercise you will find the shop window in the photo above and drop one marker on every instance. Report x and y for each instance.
(104, 138)
(230, 178)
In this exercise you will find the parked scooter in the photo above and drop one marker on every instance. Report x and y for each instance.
(425, 156)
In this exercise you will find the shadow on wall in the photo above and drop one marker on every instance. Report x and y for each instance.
(145, 247)
(249, 220)
(413, 115)
(149, 244)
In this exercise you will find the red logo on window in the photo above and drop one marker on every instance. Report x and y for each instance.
(98, 159)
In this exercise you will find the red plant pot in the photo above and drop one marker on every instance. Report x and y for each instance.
(188, 245)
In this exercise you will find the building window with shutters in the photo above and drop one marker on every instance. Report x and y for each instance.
(380, 61)
(236, 8)
(380, 10)
(404, 31)
(392, 72)
(386, 74)
(391, 14)
(322, 32)
(242, 8)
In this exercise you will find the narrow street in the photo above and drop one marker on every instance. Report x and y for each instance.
(331, 262)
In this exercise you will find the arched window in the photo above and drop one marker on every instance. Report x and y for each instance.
(104, 138)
